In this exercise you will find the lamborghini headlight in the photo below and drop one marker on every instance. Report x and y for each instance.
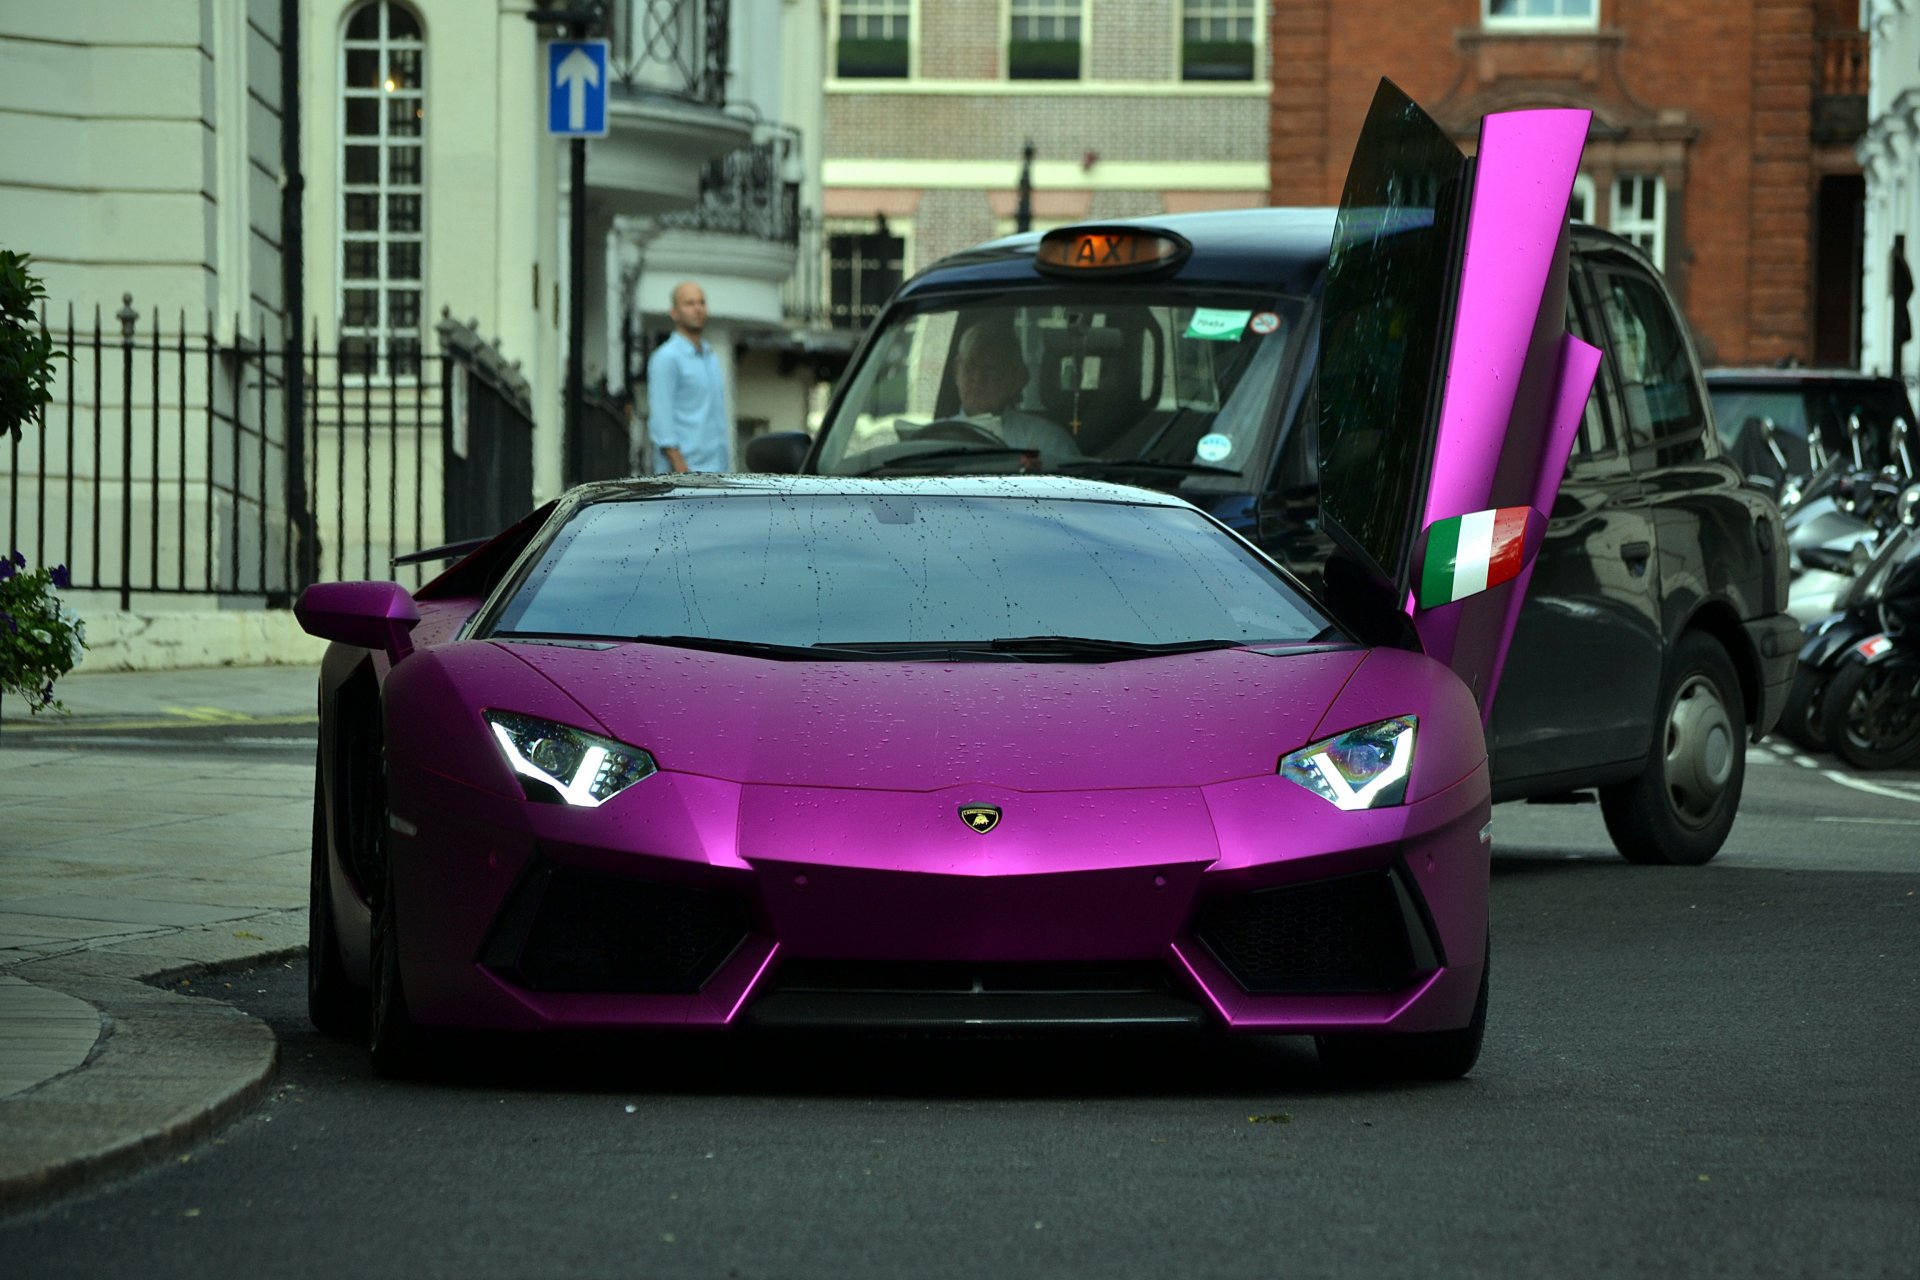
(1364, 768)
(581, 768)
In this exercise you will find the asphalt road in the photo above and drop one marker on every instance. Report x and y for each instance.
(1688, 1071)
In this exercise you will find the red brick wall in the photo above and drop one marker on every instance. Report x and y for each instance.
(1717, 97)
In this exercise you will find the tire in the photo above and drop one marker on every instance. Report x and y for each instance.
(1872, 713)
(396, 1045)
(1423, 1055)
(334, 1005)
(1800, 722)
(1679, 810)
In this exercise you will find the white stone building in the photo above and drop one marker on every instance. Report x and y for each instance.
(1889, 155)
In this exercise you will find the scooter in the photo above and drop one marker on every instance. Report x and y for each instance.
(1862, 513)
(1869, 710)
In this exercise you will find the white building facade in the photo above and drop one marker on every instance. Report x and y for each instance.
(1889, 155)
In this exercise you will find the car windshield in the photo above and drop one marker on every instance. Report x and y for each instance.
(902, 568)
(1178, 386)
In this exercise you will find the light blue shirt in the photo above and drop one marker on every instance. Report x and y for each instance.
(687, 405)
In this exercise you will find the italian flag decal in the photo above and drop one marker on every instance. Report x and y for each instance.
(1467, 554)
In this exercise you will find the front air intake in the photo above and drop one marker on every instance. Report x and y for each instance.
(1355, 934)
(584, 931)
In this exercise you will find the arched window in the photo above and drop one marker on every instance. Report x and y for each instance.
(382, 191)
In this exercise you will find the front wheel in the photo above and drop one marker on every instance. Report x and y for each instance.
(334, 1005)
(1872, 713)
(1681, 807)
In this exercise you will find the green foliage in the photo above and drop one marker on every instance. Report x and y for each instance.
(26, 348)
(1043, 60)
(40, 638)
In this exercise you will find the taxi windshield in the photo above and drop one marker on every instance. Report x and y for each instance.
(1179, 390)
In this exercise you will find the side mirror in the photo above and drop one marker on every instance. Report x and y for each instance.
(778, 452)
(371, 615)
(1462, 556)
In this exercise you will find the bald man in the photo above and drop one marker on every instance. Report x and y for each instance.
(687, 392)
(989, 372)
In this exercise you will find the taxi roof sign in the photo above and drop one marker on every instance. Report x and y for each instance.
(1109, 251)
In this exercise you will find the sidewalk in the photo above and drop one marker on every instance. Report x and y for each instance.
(117, 866)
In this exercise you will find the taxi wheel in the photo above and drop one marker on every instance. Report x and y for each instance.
(1424, 1055)
(1681, 807)
(334, 1005)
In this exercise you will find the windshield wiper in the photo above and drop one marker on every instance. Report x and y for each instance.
(751, 648)
(935, 455)
(1035, 646)
(1144, 464)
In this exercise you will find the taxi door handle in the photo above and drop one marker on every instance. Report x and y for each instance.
(1635, 554)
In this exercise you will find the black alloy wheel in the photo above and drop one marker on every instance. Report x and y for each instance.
(1421, 1055)
(1681, 807)
(334, 1005)
(396, 1045)
(1872, 712)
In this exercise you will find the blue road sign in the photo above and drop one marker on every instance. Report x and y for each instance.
(577, 88)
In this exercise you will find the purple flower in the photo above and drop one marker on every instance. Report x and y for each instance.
(12, 626)
(6, 570)
(61, 578)
(19, 559)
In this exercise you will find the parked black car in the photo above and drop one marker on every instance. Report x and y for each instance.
(1653, 641)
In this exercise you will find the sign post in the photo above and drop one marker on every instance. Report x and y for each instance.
(577, 110)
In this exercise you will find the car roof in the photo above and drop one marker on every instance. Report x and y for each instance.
(1050, 488)
(1282, 248)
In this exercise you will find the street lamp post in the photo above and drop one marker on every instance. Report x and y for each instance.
(1023, 213)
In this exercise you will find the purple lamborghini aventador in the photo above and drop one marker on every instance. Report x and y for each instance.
(1015, 751)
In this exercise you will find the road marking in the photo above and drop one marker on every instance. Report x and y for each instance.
(1871, 788)
(1873, 822)
(1887, 789)
(212, 715)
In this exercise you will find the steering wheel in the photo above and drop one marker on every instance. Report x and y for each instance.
(959, 431)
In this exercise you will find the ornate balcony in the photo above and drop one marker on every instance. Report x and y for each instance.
(666, 111)
(747, 193)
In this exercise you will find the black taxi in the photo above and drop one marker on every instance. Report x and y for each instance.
(1183, 353)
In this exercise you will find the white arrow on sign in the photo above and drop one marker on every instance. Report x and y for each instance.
(576, 72)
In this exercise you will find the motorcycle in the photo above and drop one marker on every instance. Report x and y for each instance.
(1847, 525)
(1869, 710)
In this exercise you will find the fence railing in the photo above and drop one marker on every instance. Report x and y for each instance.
(174, 463)
(746, 193)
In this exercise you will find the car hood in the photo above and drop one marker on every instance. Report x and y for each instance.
(1181, 720)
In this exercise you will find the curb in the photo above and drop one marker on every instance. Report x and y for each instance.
(167, 1071)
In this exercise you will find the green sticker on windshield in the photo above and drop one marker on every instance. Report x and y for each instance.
(1218, 326)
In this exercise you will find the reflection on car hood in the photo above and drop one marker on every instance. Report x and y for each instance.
(1184, 720)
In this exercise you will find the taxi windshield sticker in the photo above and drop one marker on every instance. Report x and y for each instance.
(1218, 326)
(1213, 447)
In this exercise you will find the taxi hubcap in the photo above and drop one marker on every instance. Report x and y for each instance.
(1700, 747)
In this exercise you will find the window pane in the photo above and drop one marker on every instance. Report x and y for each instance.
(363, 164)
(361, 309)
(402, 25)
(403, 260)
(403, 309)
(403, 166)
(403, 357)
(403, 213)
(363, 117)
(363, 68)
(356, 356)
(365, 24)
(362, 260)
(403, 117)
(363, 212)
(403, 69)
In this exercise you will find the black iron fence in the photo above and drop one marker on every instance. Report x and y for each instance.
(178, 462)
(675, 48)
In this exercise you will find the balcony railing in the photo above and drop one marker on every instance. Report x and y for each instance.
(675, 48)
(746, 193)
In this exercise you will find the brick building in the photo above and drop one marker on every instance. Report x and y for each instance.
(1722, 138)
(1132, 107)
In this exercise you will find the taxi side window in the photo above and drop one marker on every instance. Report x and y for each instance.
(1595, 440)
(1665, 418)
